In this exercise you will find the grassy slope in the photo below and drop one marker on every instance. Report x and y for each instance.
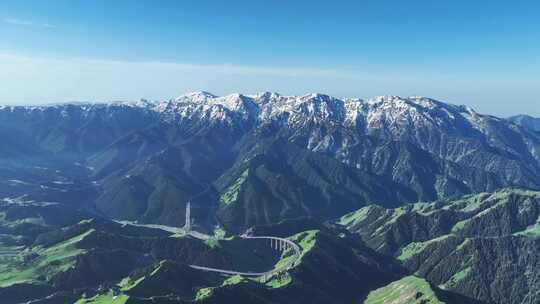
(109, 298)
(415, 248)
(39, 264)
(463, 217)
(442, 241)
(409, 290)
(231, 193)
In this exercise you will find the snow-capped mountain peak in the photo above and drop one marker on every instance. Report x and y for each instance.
(196, 97)
(268, 107)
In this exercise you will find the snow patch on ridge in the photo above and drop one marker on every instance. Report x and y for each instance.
(390, 111)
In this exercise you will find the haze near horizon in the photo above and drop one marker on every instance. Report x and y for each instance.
(484, 56)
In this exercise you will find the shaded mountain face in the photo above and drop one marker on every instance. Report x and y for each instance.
(526, 121)
(484, 246)
(247, 160)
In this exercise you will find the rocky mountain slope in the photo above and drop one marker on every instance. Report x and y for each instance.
(258, 159)
(484, 246)
(526, 121)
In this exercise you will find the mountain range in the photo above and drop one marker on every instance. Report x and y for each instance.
(248, 160)
(409, 197)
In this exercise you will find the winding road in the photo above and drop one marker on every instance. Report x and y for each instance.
(278, 241)
(290, 244)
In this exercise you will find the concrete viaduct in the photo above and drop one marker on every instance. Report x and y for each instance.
(276, 243)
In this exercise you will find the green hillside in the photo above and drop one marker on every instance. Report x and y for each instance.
(409, 290)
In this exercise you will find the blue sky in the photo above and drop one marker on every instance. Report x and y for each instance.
(485, 54)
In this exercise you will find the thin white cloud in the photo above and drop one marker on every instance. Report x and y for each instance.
(98, 65)
(16, 21)
(28, 79)
(23, 22)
